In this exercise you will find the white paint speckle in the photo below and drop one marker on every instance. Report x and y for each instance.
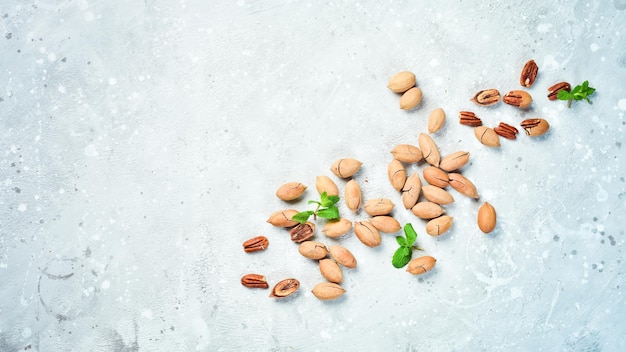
(22, 207)
(621, 104)
(147, 313)
(89, 16)
(52, 57)
(544, 27)
(61, 89)
(112, 81)
(602, 195)
(91, 150)
(26, 332)
(594, 47)
(105, 284)
(434, 62)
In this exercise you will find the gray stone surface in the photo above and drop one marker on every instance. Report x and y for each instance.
(142, 143)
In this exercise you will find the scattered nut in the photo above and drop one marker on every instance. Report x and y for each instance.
(256, 244)
(411, 98)
(325, 184)
(462, 185)
(454, 161)
(401, 82)
(436, 120)
(535, 127)
(437, 195)
(367, 233)
(337, 228)
(302, 232)
(553, 91)
(411, 190)
(438, 226)
(436, 177)
(427, 210)
(529, 74)
(378, 206)
(487, 136)
(487, 97)
(313, 250)
(421, 265)
(290, 191)
(486, 218)
(330, 270)
(254, 281)
(347, 167)
(342, 256)
(352, 195)
(282, 218)
(328, 291)
(385, 223)
(518, 98)
(407, 153)
(397, 174)
(429, 149)
(285, 288)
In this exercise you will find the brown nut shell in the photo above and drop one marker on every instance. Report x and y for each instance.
(436, 177)
(437, 195)
(378, 206)
(302, 232)
(346, 167)
(427, 210)
(330, 270)
(436, 120)
(401, 82)
(352, 195)
(367, 233)
(327, 291)
(535, 127)
(397, 174)
(342, 256)
(337, 228)
(290, 191)
(429, 148)
(463, 185)
(326, 184)
(421, 265)
(407, 153)
(411, 190)
(486, 218)
(282, 218)
(440, 225)
(454, 161)
(487, 136)
(313, 250)
(411, 98)
(385, 223)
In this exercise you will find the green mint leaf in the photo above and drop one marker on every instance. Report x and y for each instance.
(590, 91)
(401, 257)
(314, 202)
(576, 90)
(563, 95)
(585, 85)
(329, 200)
(411, 235)
(401, 241)
(303, 216)
(330, 213)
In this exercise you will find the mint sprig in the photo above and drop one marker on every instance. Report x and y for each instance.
(579, 92)
(403, 255)
(326, 209)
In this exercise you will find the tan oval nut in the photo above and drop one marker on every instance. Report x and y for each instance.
(313, 250)
(407, 153)
(290, 191)
(330, 270)
(429, 149)
(397, 174)
(325, 184)
(378, 206)
(487, 136)
(386, 223)
(436, 177)
(436, 120)
(421, 265)
(463, 185)
(427, 210)
(402, 81)
(342, 256)
(440, 225)
(282, 218)
(367, 233)
(454, 161)
(411, 98)
(352, 195)
(411, 190)
(486, 218)
(337, 228)
(437, 195)
(346, 167)
(327, 291)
